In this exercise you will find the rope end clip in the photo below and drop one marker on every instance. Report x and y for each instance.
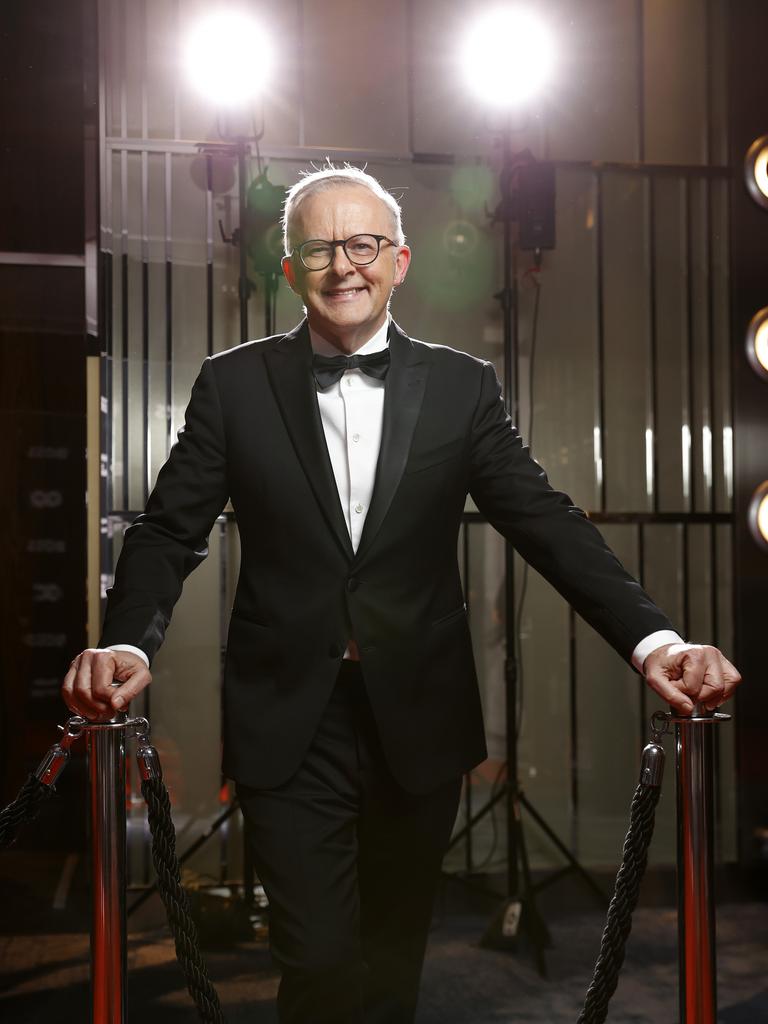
(147, 757)
(652, 764)
(57, 757)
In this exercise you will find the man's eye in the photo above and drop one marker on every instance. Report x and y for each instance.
(362, 248)
(316, 250)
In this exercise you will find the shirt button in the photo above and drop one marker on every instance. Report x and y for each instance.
(358, 508)
(355, 438)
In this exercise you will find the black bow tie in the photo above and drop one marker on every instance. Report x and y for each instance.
(328, 369)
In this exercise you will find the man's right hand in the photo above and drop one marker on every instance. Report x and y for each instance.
(88, 688)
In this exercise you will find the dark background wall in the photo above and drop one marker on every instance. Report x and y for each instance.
(42, 370)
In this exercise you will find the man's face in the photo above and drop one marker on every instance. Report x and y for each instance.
(345, 303)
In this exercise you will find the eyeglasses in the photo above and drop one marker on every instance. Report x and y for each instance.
(317, 254)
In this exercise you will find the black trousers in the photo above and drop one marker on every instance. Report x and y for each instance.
(349, 862)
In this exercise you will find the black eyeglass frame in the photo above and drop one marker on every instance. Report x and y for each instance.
(343, 242)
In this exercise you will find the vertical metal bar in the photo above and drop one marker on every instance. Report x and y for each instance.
(300, 70)
(686, 571)
(689, 466)
(715, 460)
(695, 884)
(124, 251)
(106, 749)
(209, 252)
(652, 422)
(106, 289)
(177, 34)
(599, 440)
(242, 150)
(709, 83)
(515, 843)
(168, 305)
(145, 420)
(124, 327)
(714, 633)
(718, 468)
(410, 73)
(146, 428)
(641, 577)
(640, 79)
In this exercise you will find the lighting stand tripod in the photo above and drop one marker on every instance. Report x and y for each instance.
(519, 912)
(251, 224)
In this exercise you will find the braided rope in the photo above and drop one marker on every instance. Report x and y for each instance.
(32, 795)
(619, 920)
(177, 903)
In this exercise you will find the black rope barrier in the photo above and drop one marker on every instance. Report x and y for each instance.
(618, 924)
(31, 797)
(176, 902)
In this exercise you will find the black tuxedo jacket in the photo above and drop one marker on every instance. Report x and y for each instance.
(253, 434)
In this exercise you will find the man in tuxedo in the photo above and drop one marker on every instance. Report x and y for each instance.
(350, 699)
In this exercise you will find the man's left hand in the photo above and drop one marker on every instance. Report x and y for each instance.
(688, 674)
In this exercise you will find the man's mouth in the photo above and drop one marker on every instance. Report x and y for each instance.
(342, 294)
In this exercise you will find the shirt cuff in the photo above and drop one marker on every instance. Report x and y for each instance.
(650, 643)
(128, 647)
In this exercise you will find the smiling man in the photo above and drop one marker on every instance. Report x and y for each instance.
(350, 697)
(345, 287)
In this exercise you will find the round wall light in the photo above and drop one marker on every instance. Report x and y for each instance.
(756, 170)
(757, 343)
(758, 516)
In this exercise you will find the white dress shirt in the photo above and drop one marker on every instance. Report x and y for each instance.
(352, 411)
(352, 414)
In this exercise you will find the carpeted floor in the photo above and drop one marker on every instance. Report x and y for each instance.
(44, 977)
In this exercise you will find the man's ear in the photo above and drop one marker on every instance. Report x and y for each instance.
(402, 262)
(289, 272)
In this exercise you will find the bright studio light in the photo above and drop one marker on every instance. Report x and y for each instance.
(507, 57)
(758, 516)
(757, 343)
(756, 170)
(227, 58)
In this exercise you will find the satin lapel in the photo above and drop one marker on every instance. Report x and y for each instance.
(289, 365)
(403, 395)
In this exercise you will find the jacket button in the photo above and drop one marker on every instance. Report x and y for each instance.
(353, 583)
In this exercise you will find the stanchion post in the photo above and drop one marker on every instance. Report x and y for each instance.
(694, 746)
(106, 749)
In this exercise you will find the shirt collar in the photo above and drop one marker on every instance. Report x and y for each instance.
(378, 342)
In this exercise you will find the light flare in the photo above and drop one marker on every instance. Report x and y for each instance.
(227, 58)
(507, 57)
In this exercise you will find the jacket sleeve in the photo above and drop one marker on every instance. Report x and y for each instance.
(170, 538)
(512, 491)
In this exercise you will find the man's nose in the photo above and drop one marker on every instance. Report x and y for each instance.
(340, 262)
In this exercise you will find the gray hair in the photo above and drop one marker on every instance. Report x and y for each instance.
(328, 177)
